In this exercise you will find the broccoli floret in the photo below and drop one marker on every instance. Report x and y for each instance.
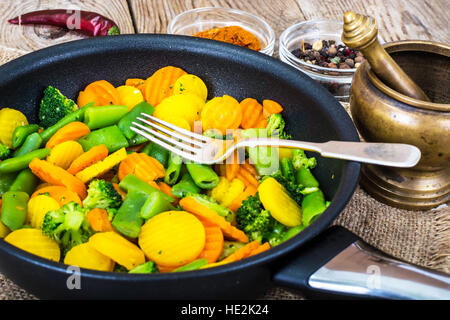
(68, 226)
(257, 223)
(299, 159)
(5, 152)
(54, 106)
(275, 126)
(101, 194)
(213, 205)
(295, 190)
(147, 267)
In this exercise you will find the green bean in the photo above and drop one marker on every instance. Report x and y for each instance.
(184, 186)
(32, 142)
(6, 180)
(291, 232)
(22, 162)
(306, 178)
(21, 133)
(159, 153)
(132, 183)
(287, 169)
(110, 136)
(154, 205)
(173, 169)
(26, 181)
(194, 265)
(127, 120)
(14, 209)
(138, 139)
(77, 115)
(203, 175)
(313, 205)
(103, 116)
(127, 219)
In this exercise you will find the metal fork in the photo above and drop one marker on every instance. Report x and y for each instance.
(201, 149)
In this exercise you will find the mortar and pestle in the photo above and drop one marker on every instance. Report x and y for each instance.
(401, 94)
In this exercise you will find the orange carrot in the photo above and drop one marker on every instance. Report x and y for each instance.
(250, 168)
(101, 92)
(203, 213)
(243, 252)
(134, 82)
(164, 187)
(251, 113)
(271, 107)
(120, 191)
(248, 176)
(61, 194)
(99, 220)
(213, 244)
(160, 84)
(71, 131)
(237, 202)
(265, 246)
(50, 173)
(88, 158)
(231, 169)
(141, 165)
(262, 123)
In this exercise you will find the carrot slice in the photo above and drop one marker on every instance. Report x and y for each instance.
(99, 220)
(61, 194)
(271, 107)
(164, 187)
(243, 252)
(265, 246)
(213, 244)
(71, 131)
(141, 165)
(248, 177)
(103, 93)
(88, 158)
(203, 213)
(50, 173)
(237, 202)
(134, 82)
(251, 113)
(160, 84)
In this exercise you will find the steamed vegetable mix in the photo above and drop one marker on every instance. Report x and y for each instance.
(80, 187)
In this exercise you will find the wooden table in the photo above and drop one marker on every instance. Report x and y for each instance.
(397, 20)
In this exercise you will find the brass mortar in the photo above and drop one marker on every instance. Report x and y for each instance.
(382, 114)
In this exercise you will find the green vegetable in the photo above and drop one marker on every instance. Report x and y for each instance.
(32, 142)
(96, 117)
(312, 206)
(127, 219)
(6, 180)
(184, 186)
(230, 247)
(25, 181)
(257, 223)
(5, 152)
(22, 162)
(14, 209)
(173, 169)
(127, 120)
(159, 153)
(154, 205)
(131, 183)
(68, 226)
(194, 265)
(275, 126)
(147, 267)
(213, 205)
(203, 175)
(138, 139)
(295, 190)
(77, 115)
(306, 178)
(287, 169)
(291, 232)
(265, 159)
(21, 133)
(299, 159)
(54, 107)
(101, 194)
(110, 136)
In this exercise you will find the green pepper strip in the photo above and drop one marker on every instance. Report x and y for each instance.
(132, 183)
(77, 115)
(173, 169)
(22, 162)
(32, 142)
(127, 120)
(110, 136)
(6, 180)
(313, 205)
(203, 175)
(194, 265)
(14, 209)
(26, 181)
(154, 205)
(103, 116)
(306, 178)
(21, 133)
(184, 186)
(127, 219)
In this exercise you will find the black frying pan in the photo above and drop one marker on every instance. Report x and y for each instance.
(311, 113)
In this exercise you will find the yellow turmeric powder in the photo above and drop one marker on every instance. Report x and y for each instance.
(232, 34)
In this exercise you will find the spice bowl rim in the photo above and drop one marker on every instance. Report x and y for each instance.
(270, 33)
(323, 71)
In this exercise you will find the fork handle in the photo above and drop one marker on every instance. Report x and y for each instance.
(385, 154)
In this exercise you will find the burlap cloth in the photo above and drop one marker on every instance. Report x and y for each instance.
(418, 237)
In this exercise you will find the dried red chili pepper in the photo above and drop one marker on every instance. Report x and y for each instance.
(90, 23)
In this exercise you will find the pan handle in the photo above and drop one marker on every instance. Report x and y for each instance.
(339, 264)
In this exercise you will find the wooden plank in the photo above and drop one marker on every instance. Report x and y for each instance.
(29, 38)
(396, 19)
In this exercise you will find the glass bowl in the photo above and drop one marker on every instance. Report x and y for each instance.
(337, 81)
(193, 21)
